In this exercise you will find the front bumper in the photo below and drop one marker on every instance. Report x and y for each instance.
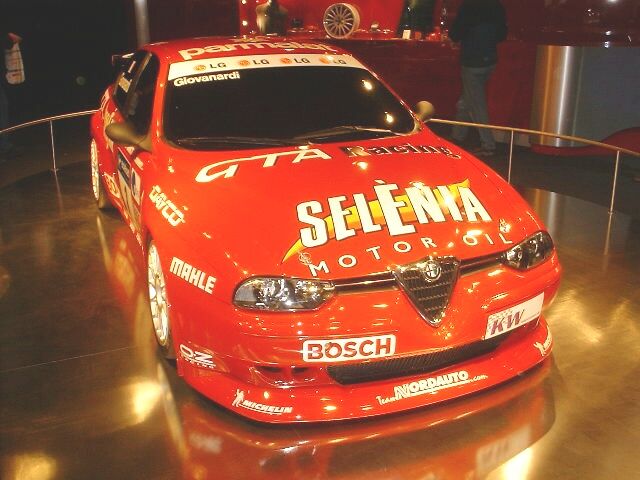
(523, 349)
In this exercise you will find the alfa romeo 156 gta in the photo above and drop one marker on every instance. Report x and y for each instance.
(314, 251)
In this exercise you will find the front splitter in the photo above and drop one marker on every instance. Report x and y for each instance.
(517, 354)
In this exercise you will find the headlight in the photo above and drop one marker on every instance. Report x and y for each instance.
(530, 252)
(278, 293)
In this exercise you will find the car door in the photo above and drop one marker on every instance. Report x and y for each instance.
(137, 109)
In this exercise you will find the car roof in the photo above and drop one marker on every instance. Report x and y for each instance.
(216, 47)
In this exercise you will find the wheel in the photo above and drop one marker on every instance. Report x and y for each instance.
(340, 20)
(99, 193)
(158, 303)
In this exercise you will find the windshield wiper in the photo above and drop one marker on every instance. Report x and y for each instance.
(229, 140)
(344, 130)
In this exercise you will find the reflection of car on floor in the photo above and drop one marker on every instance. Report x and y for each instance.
(314, 252)
(467, 439)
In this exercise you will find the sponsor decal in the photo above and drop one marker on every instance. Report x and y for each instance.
(229, 168)
(514, 317)
(398, 211)
(165, 206)
(504, 226)
(213, 77)
(111, 185)
(304, 258)
(129, 186)
(358, 151)
(197, 358)
(341, 350)
(136, 186)
(244, 62)
(429, 386)
(241, 402)
(379, 252)
(192, 275)
(545, 346)
(190, 53)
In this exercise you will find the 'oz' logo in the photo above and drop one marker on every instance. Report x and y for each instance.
(194, 357)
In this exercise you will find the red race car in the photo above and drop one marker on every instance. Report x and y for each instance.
(314, 252)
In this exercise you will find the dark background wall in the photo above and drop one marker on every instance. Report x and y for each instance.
(169, 19)
(66, 47)
(68, 43)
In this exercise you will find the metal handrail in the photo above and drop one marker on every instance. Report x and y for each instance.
(41, 121)
(511, 130)
(538, 132)
(527, 131)
(50, 121)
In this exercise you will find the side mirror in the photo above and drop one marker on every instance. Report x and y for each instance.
(123, 133)
(425, 110)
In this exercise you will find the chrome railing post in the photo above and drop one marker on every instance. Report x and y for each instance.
(615, 181)
(510, 157)
(53, 147)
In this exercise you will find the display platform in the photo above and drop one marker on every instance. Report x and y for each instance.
(83, 393)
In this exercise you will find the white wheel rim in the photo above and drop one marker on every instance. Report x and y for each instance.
(95, 170)
(157, 296)
(341, 20)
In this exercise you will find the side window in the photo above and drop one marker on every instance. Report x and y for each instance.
(140, 103)
(125, 79)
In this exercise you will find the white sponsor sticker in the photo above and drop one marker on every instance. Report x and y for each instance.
(194, 357)
(344, 349)
(112, 185)
(246, 62)
(229, 168)
(241, 402)
(430, 385)
(544, 347)
(241, 45)
(192, 275)
(207, 78)
(165, 206)
(514, 317)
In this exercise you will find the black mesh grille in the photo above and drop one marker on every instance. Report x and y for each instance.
(429, 297)
(414, 365)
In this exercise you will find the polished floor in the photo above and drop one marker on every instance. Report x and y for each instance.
(83, 394)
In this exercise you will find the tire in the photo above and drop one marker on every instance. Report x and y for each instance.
(158, 303)
(99, 193)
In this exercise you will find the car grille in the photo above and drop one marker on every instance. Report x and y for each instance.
(401, 367)
(429, 296)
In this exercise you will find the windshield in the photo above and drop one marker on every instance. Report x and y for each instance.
(280, 106)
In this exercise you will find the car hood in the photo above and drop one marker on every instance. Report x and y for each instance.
(344, 210)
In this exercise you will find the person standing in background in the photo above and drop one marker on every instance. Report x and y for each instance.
(7, 40)
(479, 26)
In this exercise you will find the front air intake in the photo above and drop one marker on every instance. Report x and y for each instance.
(377, 370)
